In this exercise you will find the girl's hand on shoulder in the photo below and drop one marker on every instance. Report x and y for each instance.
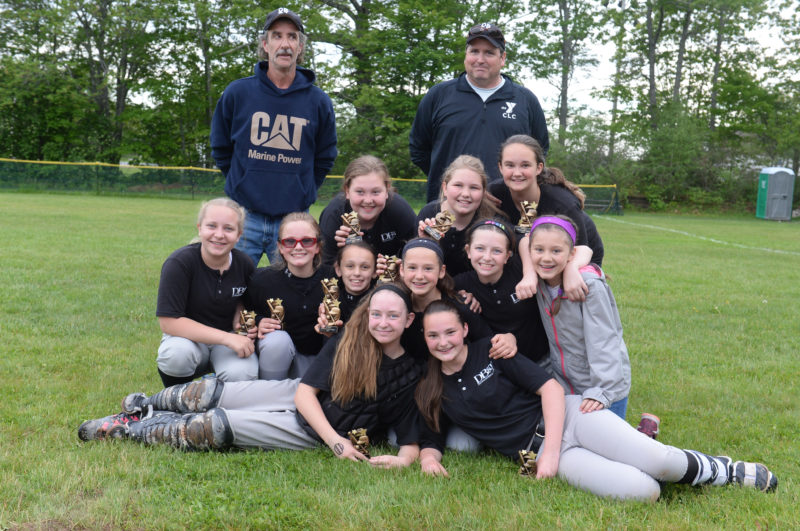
(344, 449)
(267, 326)
(470, 300)
(574, 287)
(433, 467)
(388, 461)
(526, 288)
(242, 345)
(547, 465)
(503, 346)
(588, 405)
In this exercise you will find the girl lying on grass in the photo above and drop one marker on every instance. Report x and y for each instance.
(366, 380)
(512, 404)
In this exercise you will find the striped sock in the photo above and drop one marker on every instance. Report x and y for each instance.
(704, 469)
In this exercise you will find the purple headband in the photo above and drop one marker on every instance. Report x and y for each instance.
(564, 224)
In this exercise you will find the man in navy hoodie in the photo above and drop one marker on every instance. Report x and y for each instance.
(474, 113)
(274, 135)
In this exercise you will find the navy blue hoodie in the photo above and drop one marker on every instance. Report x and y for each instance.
(274, 146)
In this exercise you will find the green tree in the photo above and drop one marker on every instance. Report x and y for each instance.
(557, 41)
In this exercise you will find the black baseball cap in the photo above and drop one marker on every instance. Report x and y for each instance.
(488, 31)
(283, 12)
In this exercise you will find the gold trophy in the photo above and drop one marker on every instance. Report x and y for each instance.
(360, 440)
(276, 309)
(247, 320)
(330, 302)
(351, 220)
(528, 464)
(441, 224)
(526, 217)
(389, 274)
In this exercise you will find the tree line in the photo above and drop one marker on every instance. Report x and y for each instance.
(697, 103)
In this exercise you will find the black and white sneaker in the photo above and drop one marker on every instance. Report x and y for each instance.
(753, 475)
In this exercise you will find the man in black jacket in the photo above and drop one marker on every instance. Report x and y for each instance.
(474, 113)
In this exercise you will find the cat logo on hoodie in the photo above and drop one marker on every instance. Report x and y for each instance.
(282, 132)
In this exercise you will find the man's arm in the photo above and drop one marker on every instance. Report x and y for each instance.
(326, 151)
(221, 143)
(420, 140)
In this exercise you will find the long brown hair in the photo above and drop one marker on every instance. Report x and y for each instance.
(468, 162)
(556, 177)
(428, 394)
(358, 357)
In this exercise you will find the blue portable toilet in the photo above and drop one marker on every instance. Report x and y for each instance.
(775, 191)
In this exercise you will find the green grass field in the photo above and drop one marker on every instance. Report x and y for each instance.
(710, 307)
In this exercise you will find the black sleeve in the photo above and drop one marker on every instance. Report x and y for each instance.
(319, 373)
(420, 139)
(556, 199)
(403, 218)
(523, 373)
(173, 288)
(329, 222)
(428, 211)
(478, 328)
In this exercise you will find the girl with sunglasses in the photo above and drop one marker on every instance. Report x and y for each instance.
(286, 349)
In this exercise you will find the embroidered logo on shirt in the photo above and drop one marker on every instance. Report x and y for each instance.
(485, 374)
(509, 110)
(238, 291)
(388, 236)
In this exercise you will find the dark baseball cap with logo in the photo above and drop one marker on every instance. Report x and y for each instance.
(280, 13)
(487, 31)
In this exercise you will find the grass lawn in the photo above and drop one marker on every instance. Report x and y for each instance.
(710, 307)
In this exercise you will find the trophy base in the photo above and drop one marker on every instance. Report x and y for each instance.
(433, 233)
(330, 329)
(522, 229)
(353, 239)
(241, 332)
